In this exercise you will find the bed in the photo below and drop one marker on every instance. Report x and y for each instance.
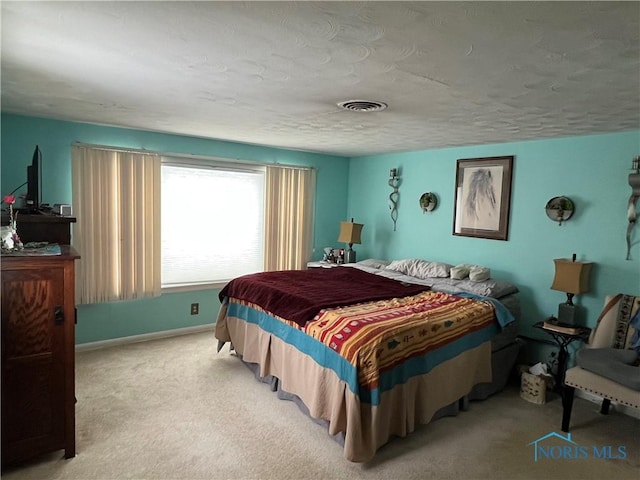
(369, 351)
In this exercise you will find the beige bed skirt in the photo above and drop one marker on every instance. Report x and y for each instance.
(365, 427)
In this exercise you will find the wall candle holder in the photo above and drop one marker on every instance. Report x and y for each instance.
(428, 202)
(560, 209)
(394, 182)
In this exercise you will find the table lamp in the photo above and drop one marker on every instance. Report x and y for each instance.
(572, 278)
(350, 233)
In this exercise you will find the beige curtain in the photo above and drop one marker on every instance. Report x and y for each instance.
(116, 200)
(290, 194)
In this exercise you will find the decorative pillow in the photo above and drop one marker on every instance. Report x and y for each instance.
(619, 327)
(460, 271)
(374, 263)
(415, 267)
(479, 274)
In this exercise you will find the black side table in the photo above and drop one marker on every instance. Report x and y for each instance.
(563, 336)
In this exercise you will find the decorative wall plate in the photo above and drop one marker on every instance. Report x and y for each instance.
(560, 209)
(428, 202)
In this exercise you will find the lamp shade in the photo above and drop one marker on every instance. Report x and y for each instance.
(350, 232)
(571, 277)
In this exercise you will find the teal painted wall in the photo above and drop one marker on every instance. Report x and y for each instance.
(20, 134)
(591, 170)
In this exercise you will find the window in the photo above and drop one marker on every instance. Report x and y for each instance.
(212, 221)
(148, 220)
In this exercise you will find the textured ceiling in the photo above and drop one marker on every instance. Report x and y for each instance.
(271, 73)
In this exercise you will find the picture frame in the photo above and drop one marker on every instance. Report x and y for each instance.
(483, 197)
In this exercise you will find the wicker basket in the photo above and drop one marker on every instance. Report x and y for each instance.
(533, 388)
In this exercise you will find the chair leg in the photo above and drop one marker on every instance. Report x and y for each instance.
(567, 405)
(604, 409)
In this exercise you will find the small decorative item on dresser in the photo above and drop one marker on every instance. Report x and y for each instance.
(62, 209)
(8, 234)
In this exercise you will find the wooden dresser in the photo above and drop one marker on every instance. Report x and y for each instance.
(38, 355)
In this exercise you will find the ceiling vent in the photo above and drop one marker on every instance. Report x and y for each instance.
(362, 105)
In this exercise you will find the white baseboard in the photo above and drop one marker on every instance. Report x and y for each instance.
(630, 411)
(145, 337)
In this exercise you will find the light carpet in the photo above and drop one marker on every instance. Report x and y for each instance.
(175, 409)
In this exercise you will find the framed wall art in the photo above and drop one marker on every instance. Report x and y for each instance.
(483, 197)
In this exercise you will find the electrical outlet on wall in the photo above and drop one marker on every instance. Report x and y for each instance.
(195, 308)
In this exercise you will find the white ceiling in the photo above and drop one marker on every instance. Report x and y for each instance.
(271, 73)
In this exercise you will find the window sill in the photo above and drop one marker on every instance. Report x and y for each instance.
(193, 288)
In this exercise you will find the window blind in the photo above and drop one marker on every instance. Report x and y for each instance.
(212, 222)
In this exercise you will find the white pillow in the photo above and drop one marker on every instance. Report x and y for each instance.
(415, 267)
(461, 271)
(374, 263)
(479, 274)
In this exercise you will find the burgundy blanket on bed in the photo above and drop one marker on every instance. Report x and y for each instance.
(298, 295)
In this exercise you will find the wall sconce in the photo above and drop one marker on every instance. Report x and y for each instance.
(428, 202)
(394, 182)
(560, 209)
(634, 181)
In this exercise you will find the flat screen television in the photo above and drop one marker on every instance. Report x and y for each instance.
(32, 199)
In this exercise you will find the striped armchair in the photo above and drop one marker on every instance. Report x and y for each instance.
(608, 366)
